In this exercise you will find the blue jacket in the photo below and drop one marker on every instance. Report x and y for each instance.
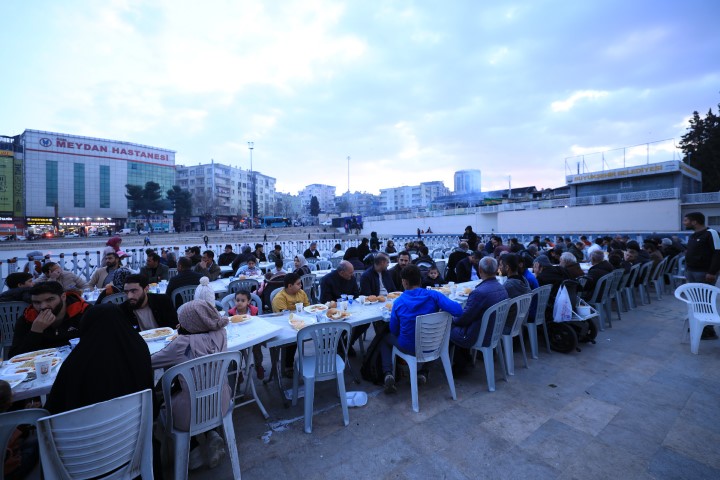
(418, 301)
(466, 327)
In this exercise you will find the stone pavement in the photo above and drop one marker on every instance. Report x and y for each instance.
(637, 404)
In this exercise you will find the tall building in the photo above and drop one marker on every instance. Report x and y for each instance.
(410, 197)
(467, 181)
(324, 193)
(222, 194)
(361, 203)
(287, 205)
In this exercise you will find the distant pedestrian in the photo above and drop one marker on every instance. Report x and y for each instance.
(147, 241)
(206, 240)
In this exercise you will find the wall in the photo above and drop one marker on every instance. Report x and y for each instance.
(450, 224)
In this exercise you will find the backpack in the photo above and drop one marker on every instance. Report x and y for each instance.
(371, 369)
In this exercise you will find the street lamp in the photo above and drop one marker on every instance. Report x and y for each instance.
(251, 145)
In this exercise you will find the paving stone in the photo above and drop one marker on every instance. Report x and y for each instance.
(550, 443)
(587, 414)
(698, 443)
(667, 463)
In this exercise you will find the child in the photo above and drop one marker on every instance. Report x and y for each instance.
(243, 307)
(433, 278)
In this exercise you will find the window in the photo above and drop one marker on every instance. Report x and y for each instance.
(79, 185)
(51, 183)
(104, 186)
(713, 221)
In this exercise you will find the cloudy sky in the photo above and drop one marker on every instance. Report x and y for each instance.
(410, 90)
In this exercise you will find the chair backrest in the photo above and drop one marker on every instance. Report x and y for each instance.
(659, 270)
(10, 421)
(498, 314)
(171, 273)
(441, 264)
(624, 277)
(116, 298)
(671, 267)
(323, 265)
(273, 293)
(634, 270)
(289, 265)
(249, 284)
(113, 436)
(644, 273)
(307, 283)
(312, 260)
(438, 253)
(543, 295)
(602, 287)
(358, 275)
(617, 276)
(227, 302)
(9, 313)
(185, 294)
(522, 309)
(205, 378)
(681, 265)
(699, 297)
(255, 300)
(432, 335)
(335, 261)
(325, 337)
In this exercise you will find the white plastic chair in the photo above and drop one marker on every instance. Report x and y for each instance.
(116, 298)
(274, 293)
(205, 379)
(249, 284)
(499, 313)
(543, 295)
(630, 286)
(701, 300)
(9, 313)
(614, 292)
(307, 283)
(113, 436)
(644, 280)
(657, 279)
(600, 299)
(172, 272)
(441, 266)
(679, 275)
(325, 364)
(522, 305)
(432, 341)
(186, 294)
(8, 424)
(335, 261)
(670, 270)
(323, 265)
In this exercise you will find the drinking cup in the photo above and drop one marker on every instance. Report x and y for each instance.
(299, 307)
(42, 368)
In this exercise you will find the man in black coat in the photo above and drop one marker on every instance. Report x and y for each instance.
(456, 256)
(600, 268)
(145, 310)
(338, 282)
(466, 266)
(377, 280)
(184, 277)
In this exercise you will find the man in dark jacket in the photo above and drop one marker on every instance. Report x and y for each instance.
(424, 258)
(19, 285)
(153, 269)
(403, 260)
(600, 268)
(338, 282)
(377, 280)
(227, 257)
(52, 320)
(455, 257)
(468, 268)
(470, 237)
(312, 252)
(549, 274)
(145, 310)
(184, 278)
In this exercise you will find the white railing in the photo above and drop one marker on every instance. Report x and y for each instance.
(709, 197)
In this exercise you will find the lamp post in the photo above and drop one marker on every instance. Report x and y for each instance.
(251, 145)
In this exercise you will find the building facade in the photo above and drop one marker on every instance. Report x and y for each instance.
(467, 181)
(411, 197)
(324, 193)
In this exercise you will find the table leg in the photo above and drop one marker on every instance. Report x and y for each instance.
(276, 372)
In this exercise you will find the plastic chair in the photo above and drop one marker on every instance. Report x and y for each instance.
(679, 276)
(498, 313)
(325, 364)
(335, 261)
(670, 270)
(630, 288)
(111, 439)
(185, 293)
(8, 424)
(600, 299)
(441, 266)
(172, 272)
(701, 300)
(289, 265)
(249, 284)
(116, 298)
(358, 276)
(617, 279)
(622, 284)
(522, 304)
(432, 341)
(204, 378)
(9, 313)
(307, 283)
(228, 302)
(273, 293)
(657, 279)
(543, 295)
(643, 281)
(323, 265)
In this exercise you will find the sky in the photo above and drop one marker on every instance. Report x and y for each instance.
(411, 91)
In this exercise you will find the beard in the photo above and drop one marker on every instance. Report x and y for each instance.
(56, 310)
(137, 303)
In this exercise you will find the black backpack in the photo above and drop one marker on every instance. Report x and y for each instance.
(371, 369)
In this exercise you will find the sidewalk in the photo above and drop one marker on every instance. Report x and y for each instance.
(637, 404)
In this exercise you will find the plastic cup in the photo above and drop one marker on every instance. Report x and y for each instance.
(344, 305)
(350, 299)
(299, 307)
(42, 368)
(361, 299)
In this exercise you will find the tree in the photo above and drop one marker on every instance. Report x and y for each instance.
(314, 206)
(181, 201)
(145, 200)
(701, 146)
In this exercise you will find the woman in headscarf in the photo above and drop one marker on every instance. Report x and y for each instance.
(113, 246)
(110, 361)
(301, 266)
(201, 332)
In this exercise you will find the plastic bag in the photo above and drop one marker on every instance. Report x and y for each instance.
(562, 311)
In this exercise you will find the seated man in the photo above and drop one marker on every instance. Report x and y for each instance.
(406, 308)
(54, 272)
(468, 269)
(145, 310)
(19, 285)
(377, 280)
(104, 275)
(153, 270)
(276, 254)
(185, 277)
(403, 260)
(338, 282)
(259, 252)
(600, 267)
(207, 266)
(455, 257)
(549, 274)
(52, 320)
(466, 326)
(424, 259)
(312, 252)
(570, 264)
(227, 257)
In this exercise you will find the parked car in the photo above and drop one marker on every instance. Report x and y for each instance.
(327, 223)
(72, 235)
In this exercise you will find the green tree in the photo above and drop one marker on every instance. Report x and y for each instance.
(135, 199)
(701, 146)
(181, 201)
(314, 206)
(146, 200)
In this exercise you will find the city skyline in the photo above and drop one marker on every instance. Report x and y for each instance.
(411, 92)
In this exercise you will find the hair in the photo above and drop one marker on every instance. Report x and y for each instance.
(404, 252)
(424, 250)
(228, 246)
(476, 254)
(185, 263)
(412, 275)
(380, 258)
(138, 278)
(195, 250)
(525, 261)
(464, 245)
(343, 266)
(337, 246)
(210, 254)
(41, 288)
(633, 245)
(154, 256)
(488, 265)
(351, 252)
(113, 254)
(258, 245)
(15, 279)
(597, 256)
(615, 259)
(279, 263)
(533, 249)
(290, 279)
(251, 258)
(599, 240)
(696, 216)
(569, 259)
(245, 293)
(364, 240)
(512, 261)
(47, 267)
(650, 246)
(278, 247)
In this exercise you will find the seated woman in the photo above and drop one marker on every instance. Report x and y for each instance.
(243, 307)
(201, 332)
(301, 266)
(285, 300)
(390, 247)
(352, 256)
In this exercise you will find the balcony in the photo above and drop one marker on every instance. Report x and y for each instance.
(695, 198)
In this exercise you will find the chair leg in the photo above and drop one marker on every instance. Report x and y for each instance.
(547, 337)
(296, 384)
(607, 305)
(696, 329)
(509, 360)
(447, 366)
(412, 365)
(231, 445)
(182, 456)
(489, 369)
(343, 398)
(501, 359)
(685, 332)
(533, 337)
(309, 398)
(522, 347)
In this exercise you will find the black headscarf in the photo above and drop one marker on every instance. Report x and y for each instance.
(110, 361)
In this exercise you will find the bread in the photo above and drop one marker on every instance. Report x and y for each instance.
(380, 298)
(371, 298)
(332, 304)
(239, 318)
(392, 295)
(389, 305)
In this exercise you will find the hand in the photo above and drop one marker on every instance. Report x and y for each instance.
(710, 278)
(203, 265)
(44, 319)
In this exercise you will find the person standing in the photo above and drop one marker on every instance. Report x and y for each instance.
(702, 257)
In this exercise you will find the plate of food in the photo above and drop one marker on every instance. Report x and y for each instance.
(27, 366)
(393, 295)
(156, 334)
(319, 307)
(29, 356)
(241, 319)
(371, 299)
(14, 379)
(298, 323)
(335, 314)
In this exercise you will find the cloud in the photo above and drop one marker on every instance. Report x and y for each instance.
(569, 103)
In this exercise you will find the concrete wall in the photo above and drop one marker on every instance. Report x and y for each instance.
(450, 224)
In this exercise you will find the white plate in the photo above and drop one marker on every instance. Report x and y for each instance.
(305, 321)
(23, 357)
(244, 322)
(318, 307)
(14, 379)
(23, 369)
(156, 334)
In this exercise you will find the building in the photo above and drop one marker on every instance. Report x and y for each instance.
(467, 181)
(361, 203)
(222, 194)
(71, 182)
(324, 193)
(287, 205)
(411, 197)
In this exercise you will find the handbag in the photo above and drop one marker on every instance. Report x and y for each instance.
(562, 310)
